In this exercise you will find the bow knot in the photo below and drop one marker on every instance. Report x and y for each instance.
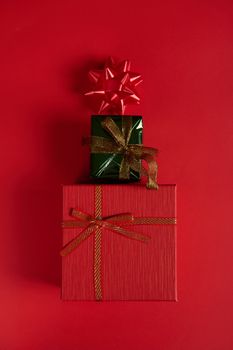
(114, 223)
(127, 151)
(98, 222)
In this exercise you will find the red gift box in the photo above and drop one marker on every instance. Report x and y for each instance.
(119, 242)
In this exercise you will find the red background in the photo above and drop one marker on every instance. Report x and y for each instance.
(184, 51)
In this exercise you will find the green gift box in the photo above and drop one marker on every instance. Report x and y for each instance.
(107, 156)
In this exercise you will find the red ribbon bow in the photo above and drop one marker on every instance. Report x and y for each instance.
(114, 87)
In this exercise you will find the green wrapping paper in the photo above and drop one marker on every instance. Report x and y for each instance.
(106, 166)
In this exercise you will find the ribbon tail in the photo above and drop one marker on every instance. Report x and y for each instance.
(129, 234)
(124, 171)
(135, 164)
(72, 245)
(151, 172)
(147, 154)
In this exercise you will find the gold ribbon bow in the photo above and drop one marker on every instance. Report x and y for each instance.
(132, 153)
(113, 223)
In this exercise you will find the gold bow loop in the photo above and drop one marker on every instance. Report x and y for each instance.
(90, 223)
(132, 153)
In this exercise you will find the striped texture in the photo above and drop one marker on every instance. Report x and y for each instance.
(131, 270)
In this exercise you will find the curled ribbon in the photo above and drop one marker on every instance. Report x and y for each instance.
(113, 223)
(132, 153)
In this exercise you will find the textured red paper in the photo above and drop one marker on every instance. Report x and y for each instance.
(131, 270)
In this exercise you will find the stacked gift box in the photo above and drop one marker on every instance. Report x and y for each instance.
(119, 238)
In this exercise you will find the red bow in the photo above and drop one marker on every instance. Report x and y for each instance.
(114, 87)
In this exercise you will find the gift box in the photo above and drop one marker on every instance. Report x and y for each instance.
(119, 242)
(107, 148)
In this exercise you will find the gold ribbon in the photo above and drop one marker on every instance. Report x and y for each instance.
(115, 223)
(132, 153)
